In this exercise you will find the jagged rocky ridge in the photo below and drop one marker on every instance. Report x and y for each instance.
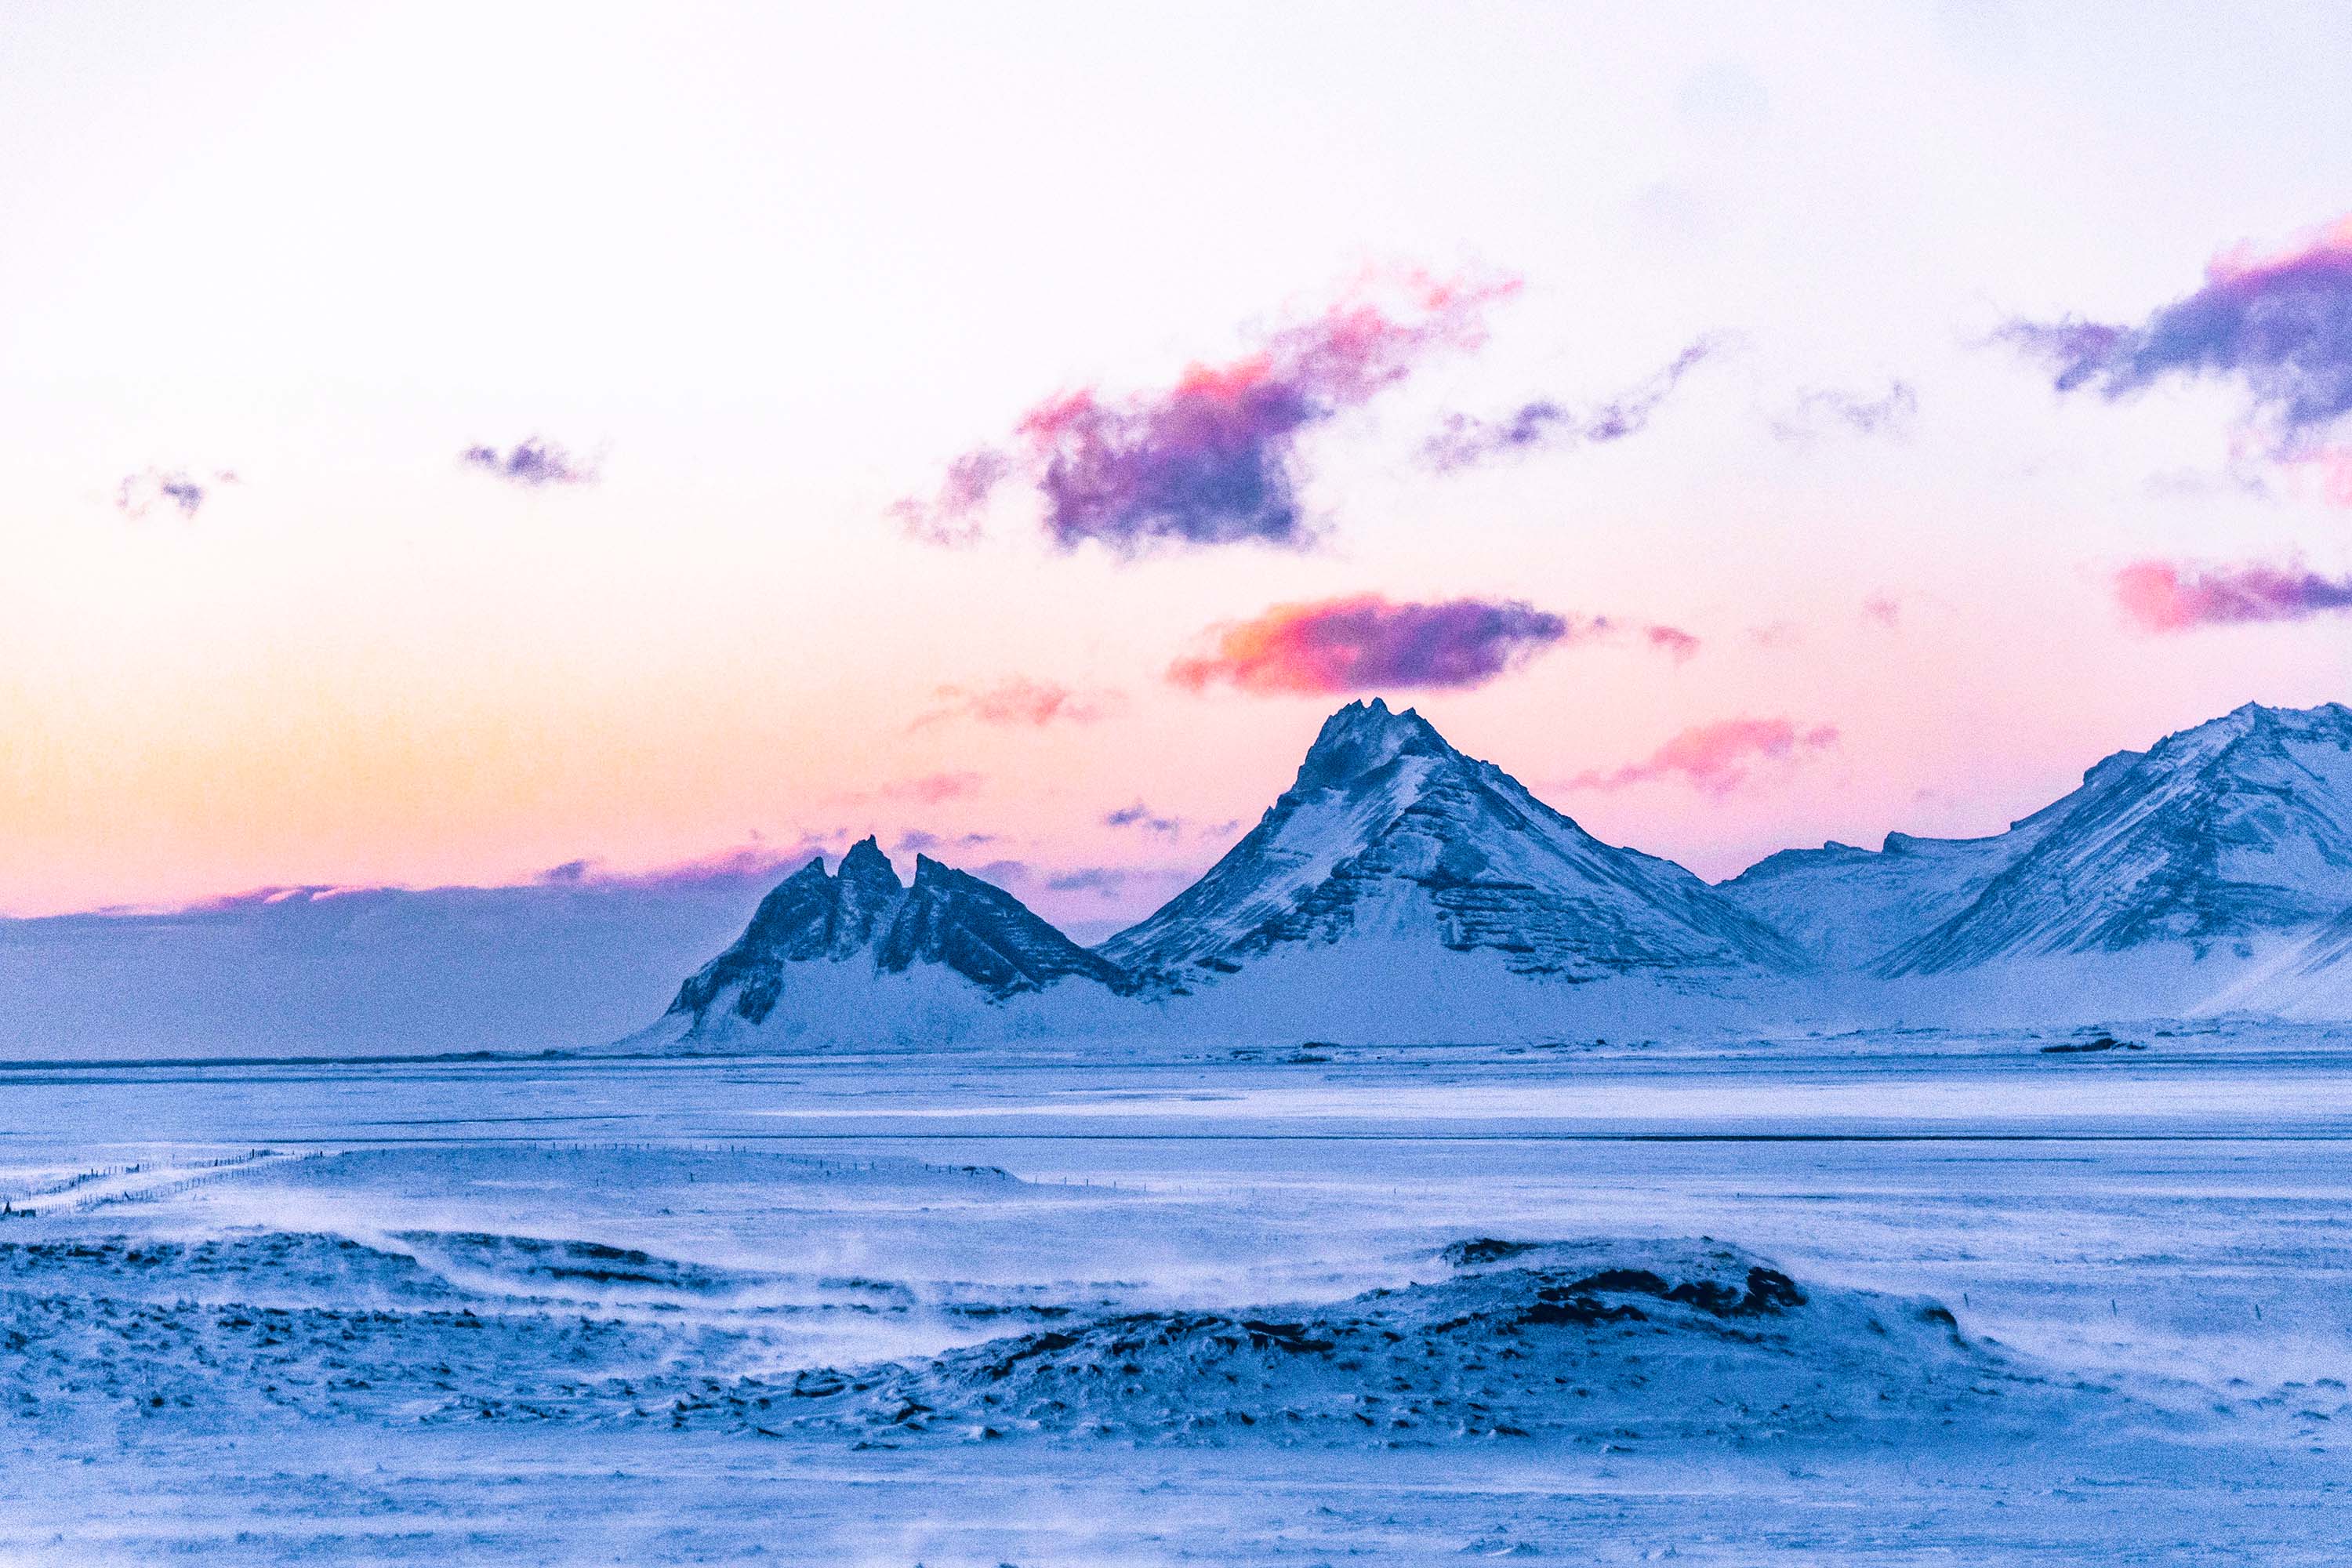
(1389, 831)
(2237, 829)
(863, 918)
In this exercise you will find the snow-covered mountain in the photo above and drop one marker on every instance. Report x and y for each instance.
(2216, 842)
(1392, 837)
(859, 954)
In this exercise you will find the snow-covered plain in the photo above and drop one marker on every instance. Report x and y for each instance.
(1007, 1305)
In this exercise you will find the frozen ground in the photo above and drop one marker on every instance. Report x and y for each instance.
(1962, 1301)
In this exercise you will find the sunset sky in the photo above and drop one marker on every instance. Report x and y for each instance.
(448, 445)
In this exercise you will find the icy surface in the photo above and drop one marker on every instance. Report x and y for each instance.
(1403, 1305)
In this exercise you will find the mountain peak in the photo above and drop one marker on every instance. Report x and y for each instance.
(866, 866)
(1392, 835)
(1363, 737)
(865, 919)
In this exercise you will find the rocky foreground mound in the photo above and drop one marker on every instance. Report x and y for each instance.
(1601, 1341)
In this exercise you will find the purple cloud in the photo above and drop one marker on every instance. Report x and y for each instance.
(1108, 881)
(143, 492)
(1464, 439)
(1143, 816)
(751, 862)
(1213, 459)
(1714, 758)
(2280, 325)
(1366, 641)
(532, 463)
(2167, 596)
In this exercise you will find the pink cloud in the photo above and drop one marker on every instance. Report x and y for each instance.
(1673, 640)
(2165, 596)
(953, 515)
(1018, 699)
(1334, 646)
(1716, 758)
(1212, 458)
(1885, 609)
(931, 789)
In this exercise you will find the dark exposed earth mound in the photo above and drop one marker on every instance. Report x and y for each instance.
(1599, 1341)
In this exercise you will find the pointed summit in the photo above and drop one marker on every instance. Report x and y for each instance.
(1362, 737)
(865, 890)
(866, 863)
(1391, 832)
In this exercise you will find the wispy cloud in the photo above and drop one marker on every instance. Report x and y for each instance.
(1716, 758)
(1822, 409)
(532, 463)
(1673, 640)
(1883, 610)
(1098, 885)
(916, 841)
(1213, 459)
(1144, 819)
(1464, 439)
(955, 514)
(930, 789)
(1355, 643)
(1019, 700)
(2169, 596)
(140, 494)
(754, 861)
(2279, 325)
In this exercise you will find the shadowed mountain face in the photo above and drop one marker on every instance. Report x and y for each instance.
(2238, 827)
(1390, 832)
(865, 916)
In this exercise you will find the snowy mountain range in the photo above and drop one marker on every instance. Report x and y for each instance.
(1400, 889)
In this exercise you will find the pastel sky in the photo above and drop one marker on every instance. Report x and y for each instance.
(447, 444)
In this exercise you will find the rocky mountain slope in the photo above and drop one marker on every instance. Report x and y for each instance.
(1390, 834)
(2214, 841)
(823, 938)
